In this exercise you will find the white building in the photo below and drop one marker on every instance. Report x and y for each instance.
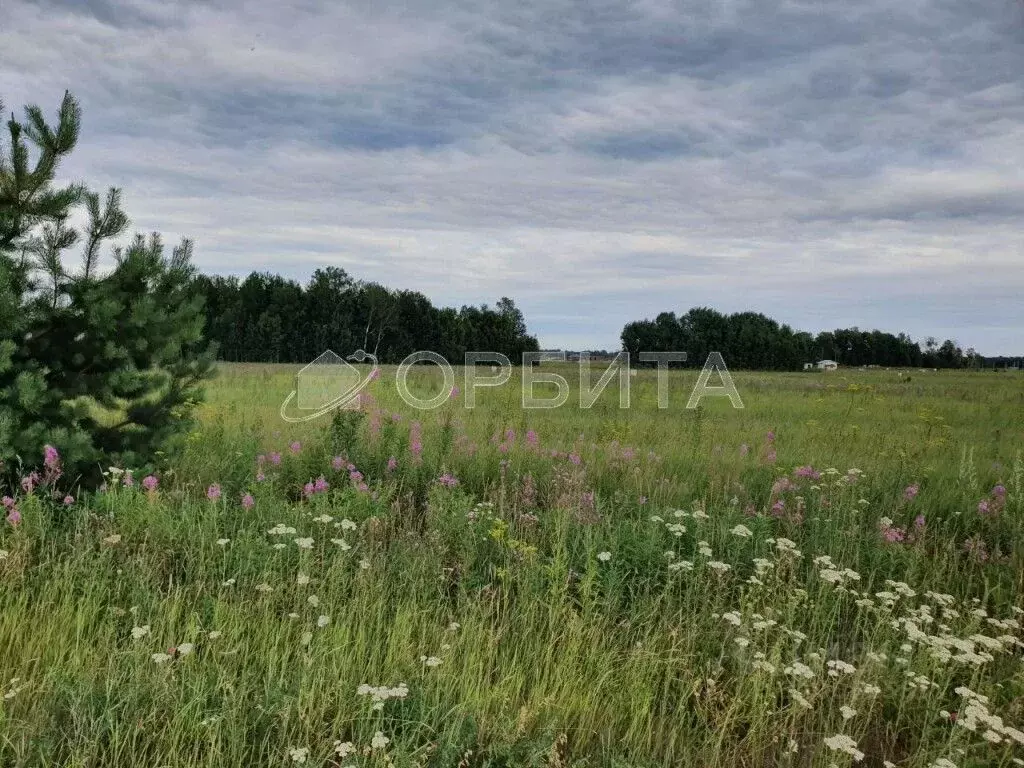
(827, 365)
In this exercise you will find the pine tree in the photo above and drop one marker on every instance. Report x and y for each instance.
(103, 367)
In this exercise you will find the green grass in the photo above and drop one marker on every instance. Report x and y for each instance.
(551, 653)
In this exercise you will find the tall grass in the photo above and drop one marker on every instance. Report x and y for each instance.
(566, 587)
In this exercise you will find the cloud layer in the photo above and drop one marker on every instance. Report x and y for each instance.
(827, 163)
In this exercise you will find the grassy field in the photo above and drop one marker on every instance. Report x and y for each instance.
(830, 576)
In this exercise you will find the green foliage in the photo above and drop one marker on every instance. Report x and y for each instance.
(106, 366)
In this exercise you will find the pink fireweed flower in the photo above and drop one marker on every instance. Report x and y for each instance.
(295, 447)
(320, 485)
(919, 521)
(769, 456)
(911, 491)
(894, 534)
(448, 480)
(149, 482)
(8, 502)
(770, 437)
(307, 489)
(261, 460)
(510, 435)
(248, 502)
(69, 500)
(14, 516)
(338, 462)
(575, 459)
(29, 482)
(628, 454)
(778, 508)
(454, 393)
(275, 458)
(392, 464)
(213, 492)
(999, 491)
(807, 471)
(531, 439)
(374, 374)
(128, 481)
(355, 475)
(782, 485)
(415, 441)
(260, 477)
(51, 459)
(984, 507)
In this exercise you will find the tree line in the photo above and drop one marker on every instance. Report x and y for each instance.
(750, 340)
(268, 318)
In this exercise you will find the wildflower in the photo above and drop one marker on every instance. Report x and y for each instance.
(345, 546)
(344, 748)
(305, 639)
(213, 634)
(150, 483)
(379, 741)
(604, 557)
(313, 600)
(742, 531)
(298, 754)
(910, 492)
(304, 543)
(248, 501)
(448, 480)
(799, 698)
(338, 463)
(733, 618)
(843, 743)
(295, 447)
(847, 712)
(213, 492)
(430, 661)
(161, 658)
(347, 525)
(113, 539)
(140, 632)
(275, 458)
(721, 567)
(264, 588)
(223, 542)
(392, 464)
(364, 564)
(323, 620)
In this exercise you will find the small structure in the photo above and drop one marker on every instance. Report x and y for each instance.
(827, 365)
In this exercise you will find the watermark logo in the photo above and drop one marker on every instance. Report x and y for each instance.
(332, 382)
(328, 383)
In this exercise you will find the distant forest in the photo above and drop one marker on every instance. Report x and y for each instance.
(752, 341)
(267, 318)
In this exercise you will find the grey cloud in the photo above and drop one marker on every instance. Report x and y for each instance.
(822, 162)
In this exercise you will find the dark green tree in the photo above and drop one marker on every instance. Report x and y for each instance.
(104, 366)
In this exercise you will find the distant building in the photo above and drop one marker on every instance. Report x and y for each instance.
(827, 365)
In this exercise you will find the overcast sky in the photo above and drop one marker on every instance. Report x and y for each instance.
(828, 163)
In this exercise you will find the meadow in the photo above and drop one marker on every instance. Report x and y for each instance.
(830, 576)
